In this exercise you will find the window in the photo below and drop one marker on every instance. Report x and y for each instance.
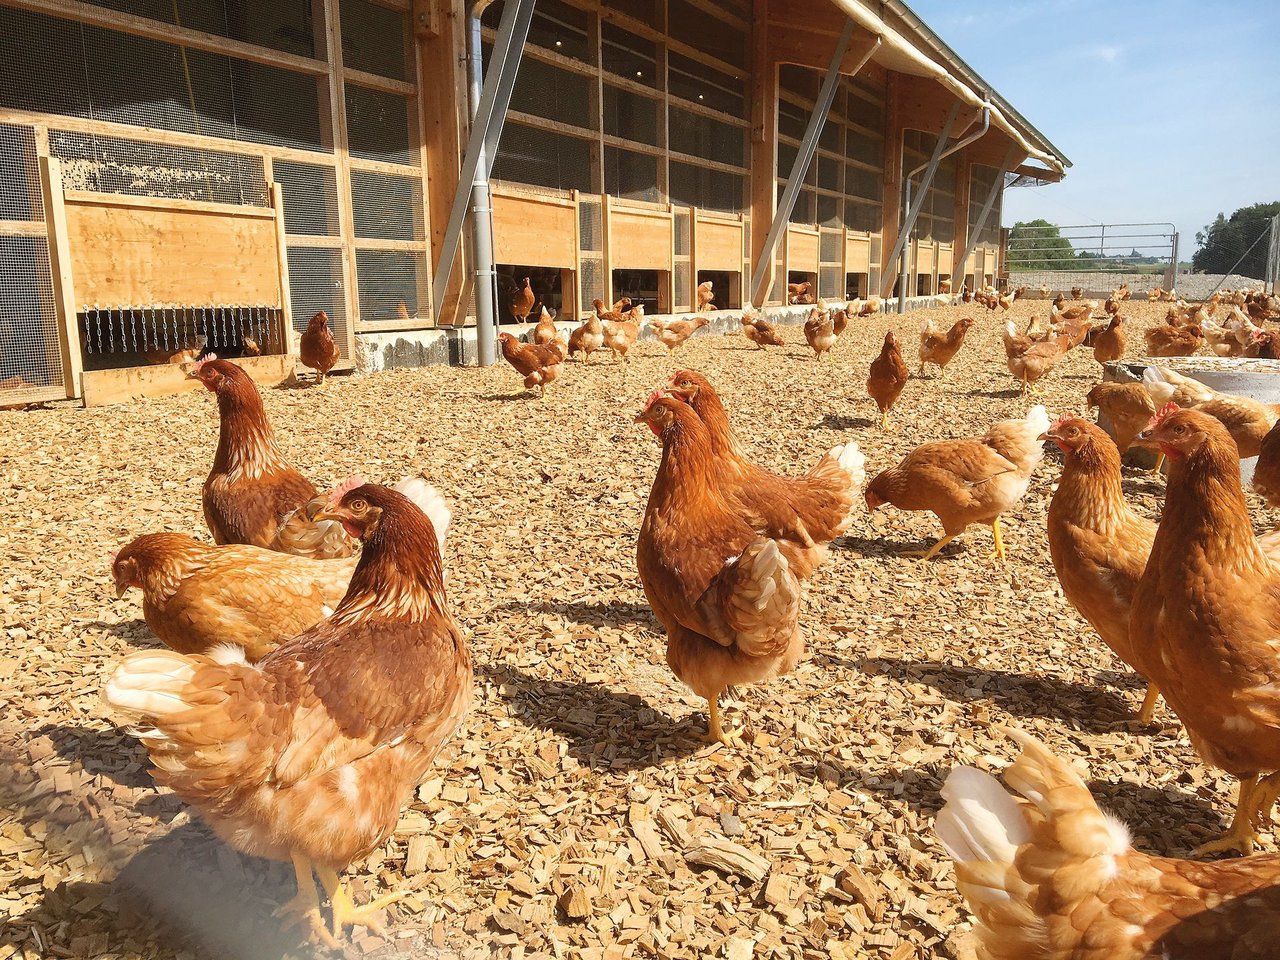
(631, 175)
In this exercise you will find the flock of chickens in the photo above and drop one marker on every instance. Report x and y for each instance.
(315, 668)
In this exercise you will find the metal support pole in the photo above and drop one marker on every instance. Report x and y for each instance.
(1173, 270)
(808, 146)
(913, 209)
(486, 127)
(988, 205)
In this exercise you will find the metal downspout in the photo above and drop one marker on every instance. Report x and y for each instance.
(486, 277)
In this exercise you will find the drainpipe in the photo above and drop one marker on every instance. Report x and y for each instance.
(485, 286)
(909, 216)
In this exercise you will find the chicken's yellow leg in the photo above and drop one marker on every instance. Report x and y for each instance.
(998, 552)
(884, 420)
(1159, 464)
(305, 905)
(715, 731)
(1241, 837)
(1147, 715)
(932, 551)
(346, 913)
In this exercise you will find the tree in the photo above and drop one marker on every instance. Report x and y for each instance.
(1223, 242)
(1039, 245)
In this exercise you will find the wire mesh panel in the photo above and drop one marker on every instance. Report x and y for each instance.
(315, 284)
(385, 206)
(378, 125)
(137, 168)
(681, 227)
(829, 246)
(680, 279)
(373, 38)
(592, 280)
(387, 281)
(310, 198)
(590, 226)
(830, 282)
(20, 197)
(30, 357)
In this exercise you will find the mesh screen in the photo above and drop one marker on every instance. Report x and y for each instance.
(20, 197)
(681, 239)
(310, 198)
(385, 206)
(30, 357)
(630, 115)
(280, 24)
(829, 245)
(115, 165)
(829, 282)
(373, 38)
(624, 54)
(875, 250)
(701, 136)
(57, 66)
(631, 175)
(387, 282)
(547, 91)
(829, 210)
(592, 280)
(696, 28)
(590, 233)
(542, 158)
(680, 286)
(378, 125)
(315, 284)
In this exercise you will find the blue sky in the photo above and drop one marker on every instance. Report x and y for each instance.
(1169, 111)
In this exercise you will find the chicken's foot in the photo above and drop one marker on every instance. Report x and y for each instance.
(1268, 792)
(1159, 464)
(884, 420)
(1147, 715)
(1241, 836)
(932, 551)
(305, 905)
(346, 913)
(998, 552)
(716, 732)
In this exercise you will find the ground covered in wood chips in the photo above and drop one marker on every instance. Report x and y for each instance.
(572, 815)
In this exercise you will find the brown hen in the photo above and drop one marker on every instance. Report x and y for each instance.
(887, 377)
(317, 349)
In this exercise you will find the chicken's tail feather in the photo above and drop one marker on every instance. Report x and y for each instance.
(429, 500)
(1051, 847)
(1038, 419)
(842, 470)
(1158, 386)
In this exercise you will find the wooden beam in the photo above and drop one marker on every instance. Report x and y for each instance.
(764, 146)
(121, 385)
(60, 268)
(892, 178)
(284, 326)
(346, 219)
(960, 239)
(1040, 173)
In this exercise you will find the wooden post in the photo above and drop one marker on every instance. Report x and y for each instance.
(60, 270)
(346, 219)
(606, 218)
(764, 150)
(285, 325)
(960, 238)
(892, 198)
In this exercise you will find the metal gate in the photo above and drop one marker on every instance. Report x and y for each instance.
(1095, 257)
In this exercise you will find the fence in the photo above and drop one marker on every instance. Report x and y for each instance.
(1098, 256)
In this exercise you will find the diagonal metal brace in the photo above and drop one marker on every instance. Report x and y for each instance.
(971, 241)
(486, 128)
(808, 146)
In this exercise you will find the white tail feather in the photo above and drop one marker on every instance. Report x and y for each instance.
(979, 821)
(852, 462)
(429, 501)
(1038, 419)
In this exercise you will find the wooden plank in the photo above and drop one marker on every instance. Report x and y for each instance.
(802, 249)
(891, 203)
(639, 239)
(381, 243)
(946, 257)
(60, 268)
(23, 228)
(719, 244)
(134, 25)
(764, 149)
(857, 254)
(129, 201)
(285, 326)
(529, 231)
(346, 219)
(135, 255)
(375, 81)
(126, 384)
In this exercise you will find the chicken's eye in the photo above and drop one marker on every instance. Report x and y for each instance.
(358, 506)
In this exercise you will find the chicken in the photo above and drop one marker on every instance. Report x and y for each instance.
(1111, 306)
(587, 339)
(307, 756)
(620, 332)
(820, 330)
(1074, 321)
(1264, 345)
(1222, 340)
(811, 510)
(161, 357)
(966, 481)
(1128, 407)
(1208, 609)
(1266, 472)
(796, 292)
(1170, 341)
(1037, 329)
(1077, 293)
(887, 377)
(938, 347)
(538, 363)
(1109, 343)
(317, 349)
(870, 307)
(1049, 875)
(196, 596)
(759, 330)
(522, 302)
(840, 319)
(673, 333)
(1122, 292)
(621, 306)
(546, 331)
(727, 596)
(1044, 292)
(1248, 420)
(1098, 544)
(1030, 360)
(1155, 295)
(252, 494)
(705, 296)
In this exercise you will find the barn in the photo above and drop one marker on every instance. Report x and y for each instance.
(183, 174)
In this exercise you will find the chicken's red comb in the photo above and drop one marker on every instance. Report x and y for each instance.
(1164, 413)
(199, 364)
(345, 487)
(1061, 420)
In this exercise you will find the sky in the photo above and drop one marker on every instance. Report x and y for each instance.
(1167, 111)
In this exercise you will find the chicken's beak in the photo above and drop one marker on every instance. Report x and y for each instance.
(332, 511)
(121, 589)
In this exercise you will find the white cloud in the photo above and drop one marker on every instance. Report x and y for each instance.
(1106, 53)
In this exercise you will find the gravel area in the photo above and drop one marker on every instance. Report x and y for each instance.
(577, 814)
